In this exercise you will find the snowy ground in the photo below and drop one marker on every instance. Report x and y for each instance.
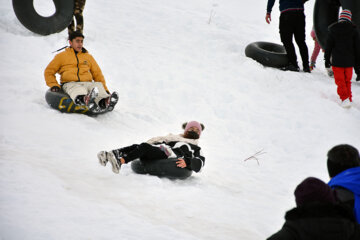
(171, 62)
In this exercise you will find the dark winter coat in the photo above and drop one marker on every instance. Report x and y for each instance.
(286, 5)
(349, 180)
(343, 44)
(345, 196)
(191, 154)
(319, 221)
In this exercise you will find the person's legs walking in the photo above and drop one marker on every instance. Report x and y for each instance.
(286, 35)
(348, 76)
(300, 39)
(342, 90)
(78, 13)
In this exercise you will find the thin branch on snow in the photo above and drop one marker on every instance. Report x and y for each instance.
(212, 14)
(255, 156)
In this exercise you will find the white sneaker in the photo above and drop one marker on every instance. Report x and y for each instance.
(116, 164)
(105, 157)
(102, 158)
(346, 103)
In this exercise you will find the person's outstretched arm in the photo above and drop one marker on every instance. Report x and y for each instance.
(270, 5)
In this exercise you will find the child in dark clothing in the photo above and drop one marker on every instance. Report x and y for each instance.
(343, 45)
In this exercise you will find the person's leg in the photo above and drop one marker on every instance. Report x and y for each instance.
(121, 152)
(348, 76)
(115, 156)
(339, 76)
(315, 54)
(78, 13)
(286, 34)
(102, 94)
(145, 152)
(71, 27)
(75, 89)
(300, 39)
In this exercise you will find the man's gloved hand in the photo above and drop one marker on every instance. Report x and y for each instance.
(55, 89)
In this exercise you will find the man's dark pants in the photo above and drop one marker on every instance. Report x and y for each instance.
(292, 23)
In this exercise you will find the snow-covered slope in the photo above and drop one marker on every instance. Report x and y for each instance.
(171, 62)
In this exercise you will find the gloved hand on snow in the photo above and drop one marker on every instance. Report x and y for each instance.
(55, 89)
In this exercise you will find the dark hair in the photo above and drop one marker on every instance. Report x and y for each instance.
(75, 35)
(342, 157)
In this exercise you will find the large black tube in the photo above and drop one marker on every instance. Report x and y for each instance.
(268, 54)
(27, 15)
(62, 102)
(326, 12)
(161, 168)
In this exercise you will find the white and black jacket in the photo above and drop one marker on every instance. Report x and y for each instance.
(185, 148)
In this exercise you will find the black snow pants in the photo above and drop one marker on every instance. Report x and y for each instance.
(292, 23)
(144, 151)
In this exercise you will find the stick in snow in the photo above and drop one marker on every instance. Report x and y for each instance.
(255, 156)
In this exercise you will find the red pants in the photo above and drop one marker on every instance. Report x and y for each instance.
(343, 81)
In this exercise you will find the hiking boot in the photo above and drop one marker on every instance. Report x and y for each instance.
(291, 67)
(89, 99)
(111, 101)
(330, 72)
(307, 69)
(105, 157)
(346, 103)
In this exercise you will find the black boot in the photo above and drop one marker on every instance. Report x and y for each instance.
(291, 67)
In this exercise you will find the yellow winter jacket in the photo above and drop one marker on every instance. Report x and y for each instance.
(73, 67)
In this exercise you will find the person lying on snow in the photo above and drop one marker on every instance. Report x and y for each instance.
(343, 165)
(184, 147)
(317, 216)
(78, 69)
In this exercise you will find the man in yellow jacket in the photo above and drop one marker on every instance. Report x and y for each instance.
(78, 69)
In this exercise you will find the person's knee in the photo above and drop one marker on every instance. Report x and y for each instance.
(144, 147)
(99, 85)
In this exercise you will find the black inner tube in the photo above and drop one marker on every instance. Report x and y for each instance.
(161, 168)
(268, 54)
(27, 15)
